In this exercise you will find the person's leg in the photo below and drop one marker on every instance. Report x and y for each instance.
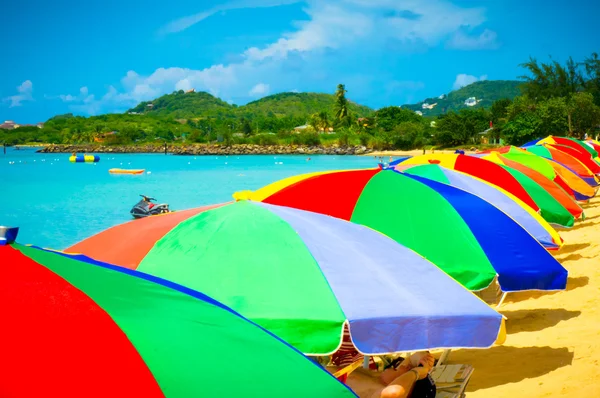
(400, 387)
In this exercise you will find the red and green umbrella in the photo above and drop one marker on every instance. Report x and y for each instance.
(540, 171)
(509, 179)
(582, 156)
(566, 141)
(570, 182)
(76, 329)
(466, 236)
(303, 276)
(549, 152)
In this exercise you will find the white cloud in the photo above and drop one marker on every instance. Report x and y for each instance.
(345, 25)
(487, 40)
(259, 90)
(183, 23)
(24, 91)
(464, 80)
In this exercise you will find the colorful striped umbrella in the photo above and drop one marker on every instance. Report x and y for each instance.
(567, 141)
(595, 145)
(557, 191)
(506, 178)
(581, 155)
(525, 162)
(464, 235)
(566, 160)
(76, 329)
(509, 204)
(303, 275)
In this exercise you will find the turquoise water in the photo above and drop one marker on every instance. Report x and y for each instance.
(57, 203)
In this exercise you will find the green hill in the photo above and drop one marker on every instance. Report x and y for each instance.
(296, 105)
(182, 105)
(485, 93)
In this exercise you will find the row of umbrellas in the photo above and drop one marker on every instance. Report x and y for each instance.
(384, 251)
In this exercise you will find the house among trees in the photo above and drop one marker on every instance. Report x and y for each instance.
(102, 137)
(487, 137)
(472, 101)
(300, 129)
(9, 125)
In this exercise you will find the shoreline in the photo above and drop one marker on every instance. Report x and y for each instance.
(241, 149)
(211, 149)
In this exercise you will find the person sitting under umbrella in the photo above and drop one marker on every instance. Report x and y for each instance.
(403, 378)
(407, 380)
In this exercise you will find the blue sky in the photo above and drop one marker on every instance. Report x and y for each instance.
(92, 57)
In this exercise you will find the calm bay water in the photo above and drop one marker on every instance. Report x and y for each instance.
(57, 203)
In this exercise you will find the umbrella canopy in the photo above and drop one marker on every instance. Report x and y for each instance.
(581, 155)
(595, 145)
(506, 178)
(72, 328)
(557, 192)
(464, 235)
(570, 182)
(509, 204)
(566, 160)
(566, 141)
(303, 275)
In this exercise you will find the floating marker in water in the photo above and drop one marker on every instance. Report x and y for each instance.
(148, 172)
(225, 162)
(189, 163)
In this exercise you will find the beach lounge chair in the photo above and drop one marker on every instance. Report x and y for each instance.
(451, 380)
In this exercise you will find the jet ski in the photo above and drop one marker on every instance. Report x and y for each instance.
(146, 208)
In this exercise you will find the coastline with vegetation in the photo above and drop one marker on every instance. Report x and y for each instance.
(208, 149)
(552, 99)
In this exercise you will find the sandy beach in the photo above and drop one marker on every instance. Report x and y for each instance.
(553, 343)
(553, 339)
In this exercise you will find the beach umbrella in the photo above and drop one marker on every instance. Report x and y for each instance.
(78, 329)
(566, 141)
(556, 186)
(566, 160)
(574, 185)
(464, 235)
(582, 156)
(509, 179)
(509, 204)
(303, 275)
(595, 145)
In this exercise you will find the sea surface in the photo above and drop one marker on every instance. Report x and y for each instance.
(57, 203)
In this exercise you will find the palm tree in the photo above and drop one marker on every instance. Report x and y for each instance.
(320, 121)
(341, 103)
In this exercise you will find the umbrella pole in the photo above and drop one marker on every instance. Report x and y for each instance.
(501, 299)
(366, 362)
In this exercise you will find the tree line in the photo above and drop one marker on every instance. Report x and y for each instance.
(558, 99)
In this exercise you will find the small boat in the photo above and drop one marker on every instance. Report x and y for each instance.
(145, 208)
(126, 171)
(8, 235)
